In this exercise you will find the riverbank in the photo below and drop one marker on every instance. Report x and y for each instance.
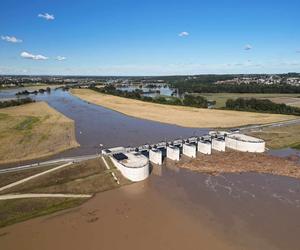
(33, 131)
(178, 115)
(279, 137)
(240, 162)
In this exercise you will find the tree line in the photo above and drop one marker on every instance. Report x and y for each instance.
(200, 87)
(261, 105)
(17, 102)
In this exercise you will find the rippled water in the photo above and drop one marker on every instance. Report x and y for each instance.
(258, 206)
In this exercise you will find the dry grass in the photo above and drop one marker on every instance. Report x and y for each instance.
(32, 131)
(280, 137)
(178, 115)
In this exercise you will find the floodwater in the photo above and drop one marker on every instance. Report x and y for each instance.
(96, 125)
(174, 209)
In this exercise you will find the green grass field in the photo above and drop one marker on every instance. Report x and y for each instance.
(221, 98)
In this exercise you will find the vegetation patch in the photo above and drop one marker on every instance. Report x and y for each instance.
(27, 123)
(261, 105)
(13, 211)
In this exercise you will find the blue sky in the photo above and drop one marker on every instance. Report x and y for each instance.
(130, 37)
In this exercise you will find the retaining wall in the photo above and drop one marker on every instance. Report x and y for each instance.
(245, 143)
(133, 174)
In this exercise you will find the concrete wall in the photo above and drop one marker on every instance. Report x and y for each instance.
(189, 150)
(132, 174)
(218, 145)
(155, 156)
(204, 147)
(245, 143)
(173, 153)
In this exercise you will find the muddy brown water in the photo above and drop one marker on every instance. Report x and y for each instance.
(174, 209)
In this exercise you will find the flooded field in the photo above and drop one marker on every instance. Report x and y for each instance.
(174, 209)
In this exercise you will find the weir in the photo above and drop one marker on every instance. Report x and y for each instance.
(134, 162)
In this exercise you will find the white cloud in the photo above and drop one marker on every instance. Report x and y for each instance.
(27, 55)
(298, 51)
(60, 58)
(11, 39)
(183, 34)
(248, 47)
(46, 16)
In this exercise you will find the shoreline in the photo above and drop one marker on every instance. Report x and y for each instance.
(188, 117)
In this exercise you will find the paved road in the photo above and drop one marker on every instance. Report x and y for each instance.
(276, 124)
(26, 196)
(49, 163)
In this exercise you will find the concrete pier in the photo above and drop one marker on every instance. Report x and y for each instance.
(218, 144)
(204, 147)
(189, 150)
(173, 153)
(156, 156)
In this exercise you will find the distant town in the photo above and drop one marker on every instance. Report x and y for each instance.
(292, 79)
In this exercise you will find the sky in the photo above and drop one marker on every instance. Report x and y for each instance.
(158, 37)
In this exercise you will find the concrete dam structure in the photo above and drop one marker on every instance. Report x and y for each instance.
(134, 163)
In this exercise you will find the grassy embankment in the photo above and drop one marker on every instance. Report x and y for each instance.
(221, 98)
(87, 177)
(34, 130)
(178, 115)
(14, 211)
(280, 137)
